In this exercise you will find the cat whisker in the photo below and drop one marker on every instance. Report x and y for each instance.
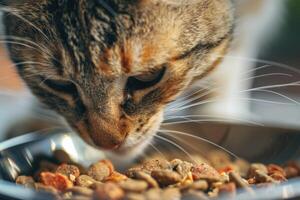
(176, 145)
(165, 131)
(16, 12)
(267, 75)
(12, 38)
(279, 94)
(157, 150)
(296, 83)
(198, 121)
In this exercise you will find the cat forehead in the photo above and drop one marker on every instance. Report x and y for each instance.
(138, 54)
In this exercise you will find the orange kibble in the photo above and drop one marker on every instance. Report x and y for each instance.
(56, 180)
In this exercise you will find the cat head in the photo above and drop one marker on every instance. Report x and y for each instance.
(111, 66)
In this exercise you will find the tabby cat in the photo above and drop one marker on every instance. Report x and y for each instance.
(110, 67)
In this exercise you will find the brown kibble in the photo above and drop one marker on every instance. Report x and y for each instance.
(133, 185)
(257, 166)
(194, 194)
(291, 172)
(58, 181)
(71, 171)
(108, 191)
(204, 171)
(278, 177)
(166, 177)
(45, 188)
(77, 190)
(157, 164)
(153, 194)
(84, 181)
(171, 194)
(262, 177)
(228, 188)
(183, 168)
(238, 180)
(135, 196)
(108, 164)
(116, 177)
(99, 171)
(145, 177)
(200, 185)
(26, 181)
(272, 168)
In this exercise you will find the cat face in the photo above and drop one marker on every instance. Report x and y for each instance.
(110, 67)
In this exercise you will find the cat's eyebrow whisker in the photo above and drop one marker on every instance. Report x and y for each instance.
(16, 12)
(176, 145)
(165, 131)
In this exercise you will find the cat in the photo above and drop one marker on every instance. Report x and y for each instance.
(110, 67)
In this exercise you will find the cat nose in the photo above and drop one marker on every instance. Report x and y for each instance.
(107, 140)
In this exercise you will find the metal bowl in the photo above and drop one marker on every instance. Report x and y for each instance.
(20, 155)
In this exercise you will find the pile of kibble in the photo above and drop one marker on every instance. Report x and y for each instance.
(158, 179)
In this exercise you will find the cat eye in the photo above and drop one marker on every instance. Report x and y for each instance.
(62, 86)
(141, 82)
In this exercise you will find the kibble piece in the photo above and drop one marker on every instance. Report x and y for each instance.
(82, 191)
(116, 177)
(99, 171)
(228, 188)
(108, 191)
(26, 181)
(204, 171)
(257, 166)
(58, 181)
(291, 172)
(200, 185)
(272, 168)
(145, 177)
(183, 169)
(193, 194)
(171, 194)
(174, 163)
(153, 194)
(70, 171)
(166, 177)
(133, 185)
(135, 196)
(45, 188)
(262, 177)
(84, 181)
(278, 177)
(95, 185)
(157, 164)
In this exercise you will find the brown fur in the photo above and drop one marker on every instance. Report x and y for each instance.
(96, 47)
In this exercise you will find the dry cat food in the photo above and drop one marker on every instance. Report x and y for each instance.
(158, 179)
